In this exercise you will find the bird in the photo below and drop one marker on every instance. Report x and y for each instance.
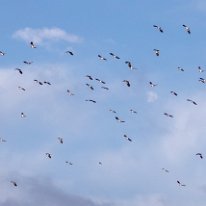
(19, 70)
(189, 100)
(202, 80)
(21, 88)
(69, 52)
(157, 52)
(115, 56)
(180, 184)
(90, 100)
(40, 83)
(48, 155)
(113, 111)
(32, 45)
(70, 93)
(133, 111)
(100, 163)
(200, 155)
(90, 86)
(159, 28)
(2, 53)
(127, 82)
(106, 88)
(119, 120)
(129, 64)
(46, 82)
(67, 162)
(165, 170)
(129, 139)
(90, 77)
(27, 62)
(152, 84)
(2, 140)
(168, 115)
(180, 69)
(60, 140)
(200, 69)
(101, 57)
(14, 183)
(187, 29)
(23, 115)
(174, 93)
(103, 82)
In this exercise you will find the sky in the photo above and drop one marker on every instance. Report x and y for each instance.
(96, 165)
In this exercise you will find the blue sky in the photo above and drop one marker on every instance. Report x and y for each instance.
(131, 172)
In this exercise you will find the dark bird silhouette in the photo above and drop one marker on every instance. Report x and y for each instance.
(113, 111)
(70, 93)
(193, 102)
(90, 100)
(159, 28)
(168, 115)
(101, 57)
(202, 80)
(32, 45)
(152, 84)
(21, 88)
(200, 69)
(115, 56)
(106, 88)
(157, 52)
(180, 184)
(180, 69)
(14, 183)
(37, 81)
(174, 93)
(129, 64)
(46, 82)
(2, 53)
(90, 77)
(103, 82)
(187, 29)
(19, 70)
(126, 137)
(48, 155)
(119, 120)
(69, 52)
(2, 140)
(61, 141)
(90, 86)
(165, 170)
(200, 155)
(127, 82)
(133, 111)
(27, 62)
(23, 115)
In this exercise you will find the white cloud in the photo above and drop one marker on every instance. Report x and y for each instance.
(46, 34)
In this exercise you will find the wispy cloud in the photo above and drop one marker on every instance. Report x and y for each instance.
(45, 34)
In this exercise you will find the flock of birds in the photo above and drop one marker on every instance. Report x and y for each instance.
(105, 87)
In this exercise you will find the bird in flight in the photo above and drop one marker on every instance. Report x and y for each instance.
(115, 56)
(168, 115)
(159, 28)
(46, 82)
(119, 120)
(180, 69)
(200, 155)
(2, 53)
(200, 69)
(129, 64)
(113, 111)
(126, 137)
(19, 70)
(60, 140)
(133, 111)
(69, 52)
(174, 93)
(32, 45)
(40, 83)
(23, 115)
(152, 84)
(2, 140)
(70, 93)
(90, 77)
(106, 88)
(103, 82)
(193, 102)
(101, 57)
(90, 100)
(127, 82)
(14, 183)
(165, 170)
(90, 86)
(157, 52)
(21, 88)
(27, 62)
(187, 29)
(180, 184)
(202, 80)
(48, 155)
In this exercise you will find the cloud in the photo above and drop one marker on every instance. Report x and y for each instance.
(151, 96)
(45, 34)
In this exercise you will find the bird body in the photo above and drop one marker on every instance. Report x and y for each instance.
(159, 28)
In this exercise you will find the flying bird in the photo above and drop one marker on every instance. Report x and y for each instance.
(69, 52)
(165, 170)
(127, 82)
(46, 82)
(14, 183)
(2, 140)
(187, 29)
(101, 57)
(21, 88)
(202, 80)
(168, 115)
(103, 82)
(70, 93)
(27, 62)
(32, 45)
(200, 155)
(159, 28)
(133, 111)
(23, 115)
(180, 184)
(106, 88)
(90, 86)
(189, 100)
(180, 69)
(2, 53)
(60, 140)
(90, 77)
(126, 137)
(200, 69)
(152, 84)
(19, 70)
(115, 56)
(90, 100)
(157, 52)
(113, 111)
(119, 120)
(174, 93)
(48, 155)
(129, 64)
(100, 163)
(37, 81)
